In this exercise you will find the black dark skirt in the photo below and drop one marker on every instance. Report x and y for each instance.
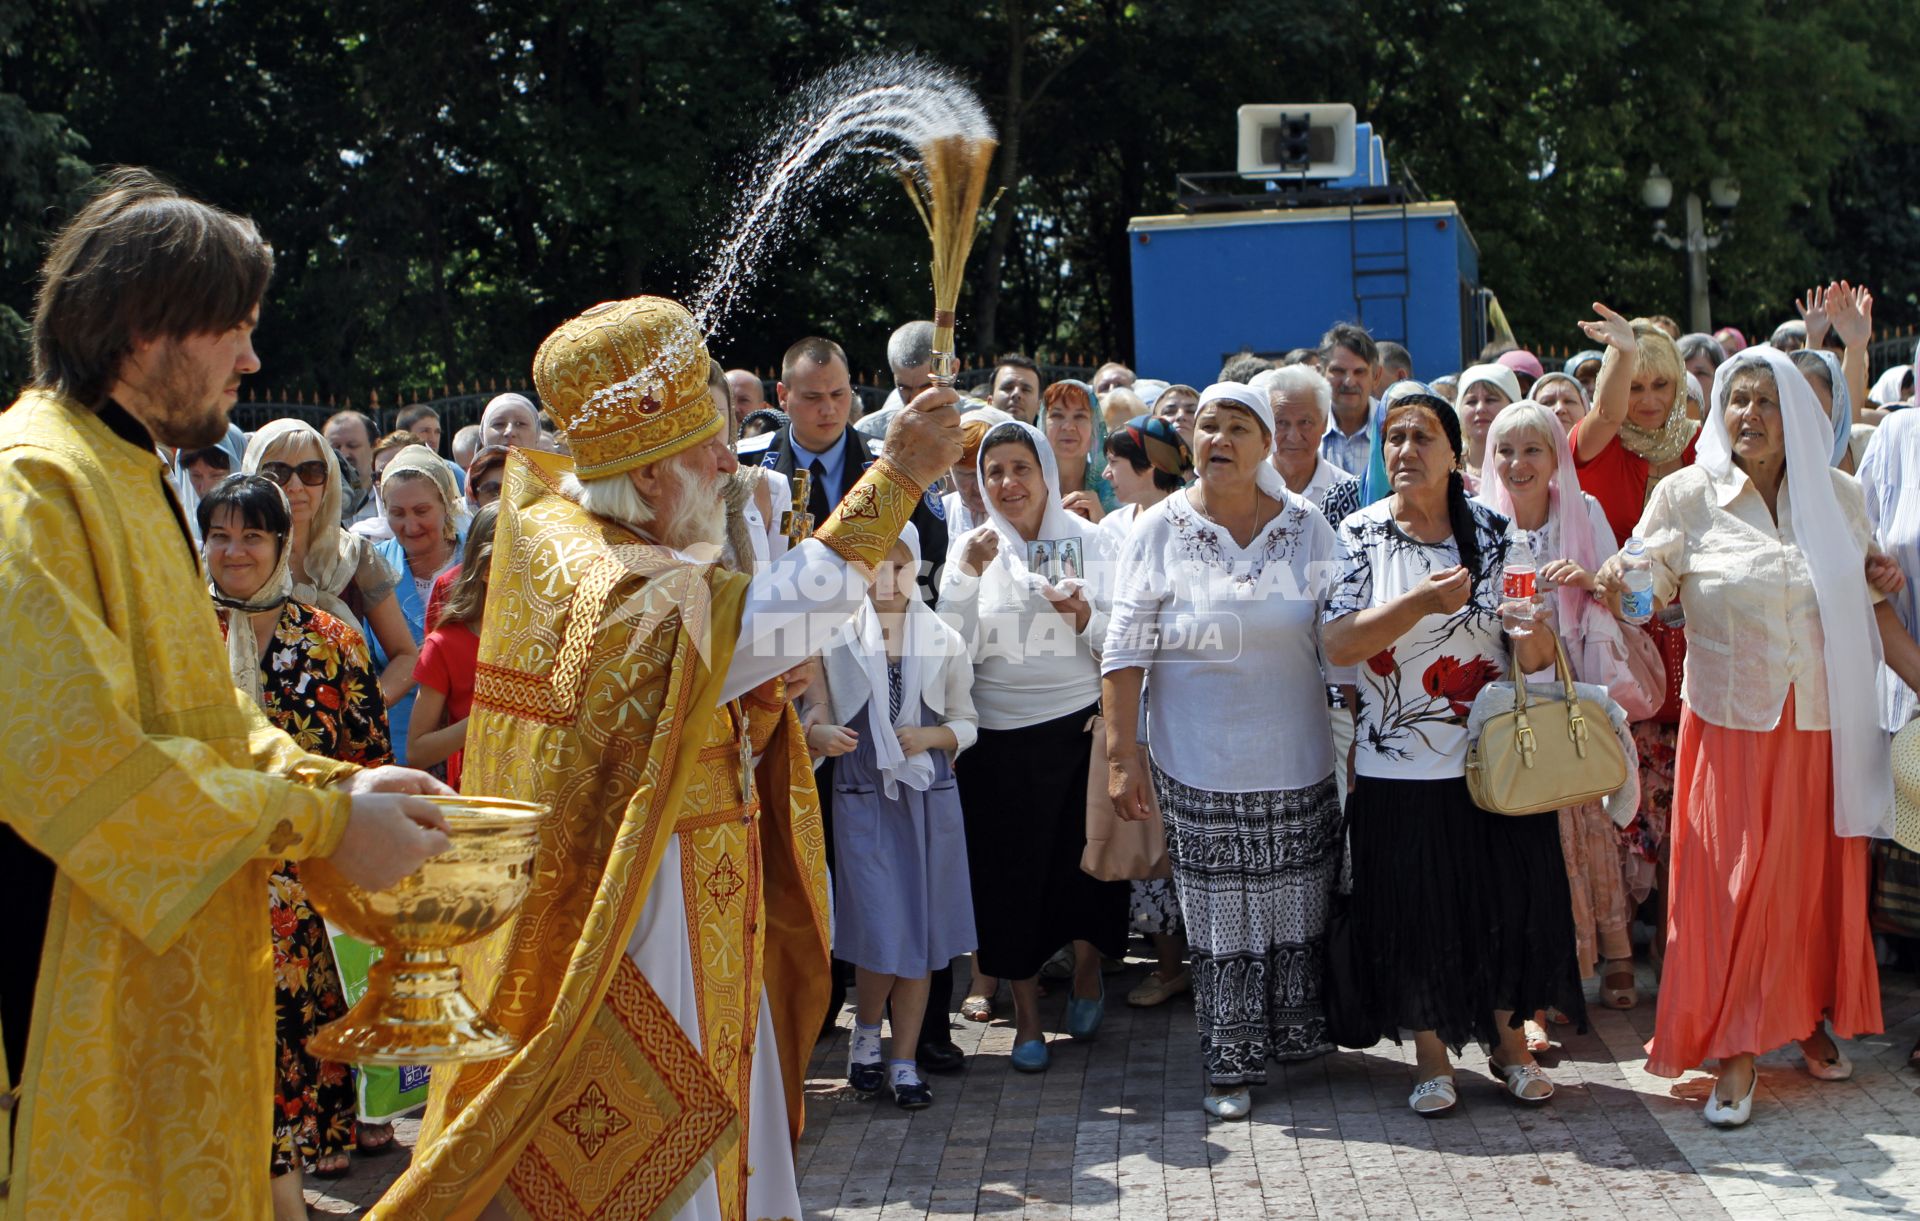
(1455, 913)
(1023, 793)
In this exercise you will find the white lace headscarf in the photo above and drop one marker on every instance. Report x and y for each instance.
(1862, 768)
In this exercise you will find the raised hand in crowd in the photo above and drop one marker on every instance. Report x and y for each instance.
(1611, 331)
(1813, 308)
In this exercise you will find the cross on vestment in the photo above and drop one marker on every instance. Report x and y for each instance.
(796, 523)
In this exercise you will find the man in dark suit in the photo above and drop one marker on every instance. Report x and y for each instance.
(816, 392)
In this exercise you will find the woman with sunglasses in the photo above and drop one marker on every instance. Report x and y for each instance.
(333, 569)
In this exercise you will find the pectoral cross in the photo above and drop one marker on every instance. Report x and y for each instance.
(796, 523)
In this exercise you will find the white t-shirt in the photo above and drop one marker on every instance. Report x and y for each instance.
(1230, 639)
(1415, 694)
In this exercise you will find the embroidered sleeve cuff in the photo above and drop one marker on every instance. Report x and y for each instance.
(870, 517)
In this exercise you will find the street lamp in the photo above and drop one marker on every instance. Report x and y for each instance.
(1657, 194)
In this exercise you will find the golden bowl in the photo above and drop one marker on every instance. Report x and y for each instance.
(414, 1011)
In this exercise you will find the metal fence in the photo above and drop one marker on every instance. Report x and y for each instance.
(460, 405)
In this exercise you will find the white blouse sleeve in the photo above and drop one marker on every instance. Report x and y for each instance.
(1664, 532)
(960, 715)
(1139, 595)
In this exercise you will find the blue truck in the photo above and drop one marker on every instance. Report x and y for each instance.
(1269, 271)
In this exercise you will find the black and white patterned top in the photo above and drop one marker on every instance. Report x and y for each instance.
(1414, 695)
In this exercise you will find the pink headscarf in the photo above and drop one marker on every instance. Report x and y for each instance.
(1594, 644)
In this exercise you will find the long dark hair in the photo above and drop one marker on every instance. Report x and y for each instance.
(1466, 530)
(141, 261)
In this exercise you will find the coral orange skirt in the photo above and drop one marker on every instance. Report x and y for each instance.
(1766, 907)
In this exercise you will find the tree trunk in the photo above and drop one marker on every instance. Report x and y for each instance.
(986, 308)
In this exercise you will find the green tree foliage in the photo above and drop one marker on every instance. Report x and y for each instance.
(41, 172)
(443, 183)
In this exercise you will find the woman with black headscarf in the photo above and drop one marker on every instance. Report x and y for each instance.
(1460, 919)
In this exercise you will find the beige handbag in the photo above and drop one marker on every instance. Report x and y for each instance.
(1118, 850)
(1545, 754)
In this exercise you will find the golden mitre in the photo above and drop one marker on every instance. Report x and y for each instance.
(627, 383)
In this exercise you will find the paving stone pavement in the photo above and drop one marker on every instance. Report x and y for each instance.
(1114, 1132)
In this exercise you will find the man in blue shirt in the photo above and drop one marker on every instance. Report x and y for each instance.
(1348, 360)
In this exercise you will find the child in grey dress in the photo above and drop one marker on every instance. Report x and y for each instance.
(897, 708)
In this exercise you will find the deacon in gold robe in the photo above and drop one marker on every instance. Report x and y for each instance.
(666, 975)
(144, 798)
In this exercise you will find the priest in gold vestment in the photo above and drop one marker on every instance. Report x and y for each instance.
(666, 975)
(144, 798)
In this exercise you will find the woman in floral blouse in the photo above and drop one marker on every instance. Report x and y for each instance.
(1461, 921)
(311, 674)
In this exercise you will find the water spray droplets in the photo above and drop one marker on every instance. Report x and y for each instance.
(888, 107)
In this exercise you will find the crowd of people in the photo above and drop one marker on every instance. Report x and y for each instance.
(1318, 544)
(1256, 614)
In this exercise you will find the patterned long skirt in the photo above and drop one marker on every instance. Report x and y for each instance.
(1254, 873)
(313, 1100)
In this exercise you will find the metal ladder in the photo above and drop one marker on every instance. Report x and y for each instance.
(1382, 275)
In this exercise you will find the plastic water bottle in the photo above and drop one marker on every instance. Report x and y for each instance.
(1519, 579)
(1636, 605)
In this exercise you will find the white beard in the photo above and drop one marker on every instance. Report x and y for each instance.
(699, 517)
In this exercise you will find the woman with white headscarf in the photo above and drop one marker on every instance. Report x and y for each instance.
(310, 674)
(1564, 396)
(1485, 391)
(428, 518)
(1035, 636)
(332, 568)
(1783, 768)
(1218, 603)
(1529, 479)
(899, 710)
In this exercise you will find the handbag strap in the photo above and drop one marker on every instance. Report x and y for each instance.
(1561, 666)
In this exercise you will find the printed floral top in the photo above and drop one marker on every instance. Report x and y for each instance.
(1415, 695)
(318, 684)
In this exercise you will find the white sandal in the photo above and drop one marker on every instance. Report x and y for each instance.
(1520, 1078)
(1434, 1097)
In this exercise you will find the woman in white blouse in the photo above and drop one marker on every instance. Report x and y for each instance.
(1034, 635)
(1783, 769)
(1461, 921)
(1219, 601)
